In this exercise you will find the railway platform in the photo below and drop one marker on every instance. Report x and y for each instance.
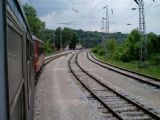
(57, 97)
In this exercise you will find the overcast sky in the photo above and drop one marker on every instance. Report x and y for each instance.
(90, 12)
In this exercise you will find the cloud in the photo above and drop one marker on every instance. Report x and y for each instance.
(91, 13)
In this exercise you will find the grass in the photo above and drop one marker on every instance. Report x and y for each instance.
(153, 70)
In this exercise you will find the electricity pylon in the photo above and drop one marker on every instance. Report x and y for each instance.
(142, 30)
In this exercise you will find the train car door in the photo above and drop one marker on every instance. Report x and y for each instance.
(30, 75)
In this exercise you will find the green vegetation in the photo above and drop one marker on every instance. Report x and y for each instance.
(91, 39)
(36, 25)
(68, 36)
(126, 54)
(47, 47)
(52, 38)
(38, 28)
(153, 70)
(122, 49)
(74, 41)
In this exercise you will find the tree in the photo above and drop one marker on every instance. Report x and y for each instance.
(67, 35)
(36, 25)
(58, 35)
(131, 47)
(47, 46)
(94, 38)
(111, 45)
(153, 43)
(74, 41)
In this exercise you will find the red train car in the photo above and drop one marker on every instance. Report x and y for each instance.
(38, 55)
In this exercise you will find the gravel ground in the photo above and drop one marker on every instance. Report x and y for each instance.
(148, 96)
(58, 96)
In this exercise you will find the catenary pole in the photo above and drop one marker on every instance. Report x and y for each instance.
(142, 29)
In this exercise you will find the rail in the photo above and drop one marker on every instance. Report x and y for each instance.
(131, 74)
(136, 109)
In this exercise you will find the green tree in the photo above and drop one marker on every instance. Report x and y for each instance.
(47, 46)
(36, 25)
(74, 41)
(153, 43)
(67, 35)
(111, 45)
(58, 35)
(131, 47)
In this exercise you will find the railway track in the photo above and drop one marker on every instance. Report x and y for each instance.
(48, 60)
(154, 82)
(117, 105)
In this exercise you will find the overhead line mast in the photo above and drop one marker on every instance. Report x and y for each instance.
(103, 40)
(107, 30)
(142, 30)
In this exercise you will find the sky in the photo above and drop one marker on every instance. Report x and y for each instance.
(87, 14)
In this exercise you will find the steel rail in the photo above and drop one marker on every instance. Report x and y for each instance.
(148, 112)
(48, 60)
(106, 106)
(122, 73)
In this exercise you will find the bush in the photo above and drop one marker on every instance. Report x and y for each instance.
(117, 54)
(126, 58)
(131, 47)
(95, 49)
(111, 45)
(101, 52)
(155, 59)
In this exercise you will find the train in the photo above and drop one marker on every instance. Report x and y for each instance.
(38, 55)
(19, 63)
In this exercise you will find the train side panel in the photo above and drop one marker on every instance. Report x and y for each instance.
(4, 108)
(20, 64)
(38, 55)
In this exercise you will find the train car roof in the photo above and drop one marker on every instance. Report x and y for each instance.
(36, 39)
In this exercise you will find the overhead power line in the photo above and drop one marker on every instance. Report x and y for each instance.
(147, 10)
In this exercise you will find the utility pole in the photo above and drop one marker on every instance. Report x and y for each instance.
(61, 46)
(103, 41)
(142, 30)
(54, 41)
(107, 30)
(107, 20)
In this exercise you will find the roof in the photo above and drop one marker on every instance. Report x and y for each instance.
(36, 39)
